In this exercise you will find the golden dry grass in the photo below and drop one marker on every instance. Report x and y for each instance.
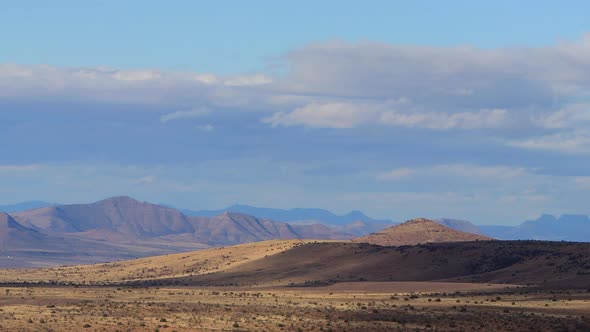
(156, 267)
(287, 309)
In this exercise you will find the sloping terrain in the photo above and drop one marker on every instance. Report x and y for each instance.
(234, 228)
(13, 235)
(551, 264)
(418, 231)
(460, 225)
(155, 267)
(122, 215)
(313, 263)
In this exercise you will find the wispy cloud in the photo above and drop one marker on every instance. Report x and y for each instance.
(193, 113)
(569, 117)
(252, 80)
(492, 173)
(19, 168)
(396, 174)
(577, 142)
(582, 182)
(397, 113)
(206, 127)
(477, 171)
(148, 179)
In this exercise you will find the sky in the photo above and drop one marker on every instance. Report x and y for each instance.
(463, 109)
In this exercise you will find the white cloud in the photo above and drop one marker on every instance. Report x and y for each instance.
(495, 118)
(348, 85)
(398, 113)
(136, 75)
(207, 127)
(476, 171)
(442, 74)
(206, 78)
(194, 113)
(582, 182)
(148, 179)
(492, 173)
(524, 197)
(396, 174)
(570, 117)
(577, 142)
(252, 80)
(328, 115)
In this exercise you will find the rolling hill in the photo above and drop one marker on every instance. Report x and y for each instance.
(418, 231)
(549, 264)
(311, 263)
(155, 267)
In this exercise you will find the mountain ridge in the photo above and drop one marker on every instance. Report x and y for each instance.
(22, 206)
(566, 227)
(126, 228)
(143, 227)
(11, 230)
(291, 215)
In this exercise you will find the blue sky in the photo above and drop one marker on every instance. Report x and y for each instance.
(241, 36)
(401, 109)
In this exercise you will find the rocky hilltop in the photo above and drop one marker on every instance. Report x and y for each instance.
(417, 231)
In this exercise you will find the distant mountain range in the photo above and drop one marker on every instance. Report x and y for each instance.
(354, 223)
(568, 227)
(547, 227)
(123, 228)
(299, 215)
(24, 206)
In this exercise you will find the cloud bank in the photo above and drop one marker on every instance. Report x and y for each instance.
(494, 132)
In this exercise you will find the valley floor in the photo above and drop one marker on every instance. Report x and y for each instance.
(397, 306)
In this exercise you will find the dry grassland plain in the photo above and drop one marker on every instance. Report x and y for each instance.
(156, 293)
(332, 308)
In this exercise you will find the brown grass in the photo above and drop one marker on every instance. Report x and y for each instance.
(275, 309)
(156, 267)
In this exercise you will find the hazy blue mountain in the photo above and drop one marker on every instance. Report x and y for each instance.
(122, 227)
(460, 225)
(291, 215)
(25, 206)
(498, 232)
(568, 227)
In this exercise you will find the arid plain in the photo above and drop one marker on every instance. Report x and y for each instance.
(295, 285)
